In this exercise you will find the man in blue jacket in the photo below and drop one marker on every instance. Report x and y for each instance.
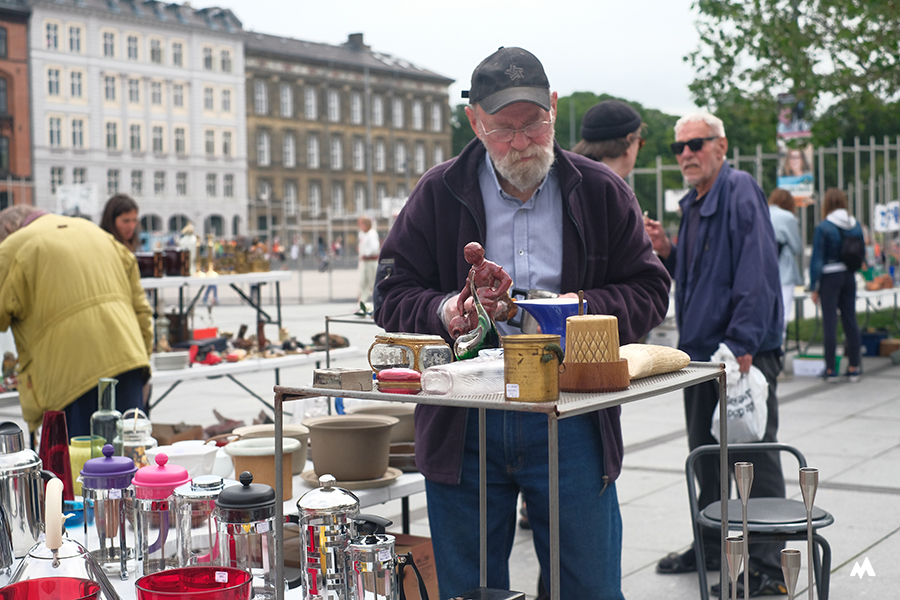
(554, 221)
(727, 289)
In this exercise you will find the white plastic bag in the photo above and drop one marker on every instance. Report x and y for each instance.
(746, 400)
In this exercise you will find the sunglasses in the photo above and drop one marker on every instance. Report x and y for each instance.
(694, 144)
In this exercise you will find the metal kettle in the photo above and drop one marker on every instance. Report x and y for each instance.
(21, 488)
(376, 569)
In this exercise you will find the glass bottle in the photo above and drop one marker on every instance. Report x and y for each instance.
(106, 419)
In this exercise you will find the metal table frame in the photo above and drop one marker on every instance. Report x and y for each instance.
(567, 405)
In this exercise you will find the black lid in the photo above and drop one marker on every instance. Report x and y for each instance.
(248, 495)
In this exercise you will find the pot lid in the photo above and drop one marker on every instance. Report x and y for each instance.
(11, 438)
(14, 456)
(328, 497)
(247, 495)
(204, 487)
(109, 465)
(161, 475)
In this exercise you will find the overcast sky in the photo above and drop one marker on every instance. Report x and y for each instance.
(632, 49)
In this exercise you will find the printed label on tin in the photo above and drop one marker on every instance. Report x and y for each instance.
(384, 555)
(512, 390)
(221, 576)
(262, 527)
(115, 494)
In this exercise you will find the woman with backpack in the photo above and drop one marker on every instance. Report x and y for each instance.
(838, 252)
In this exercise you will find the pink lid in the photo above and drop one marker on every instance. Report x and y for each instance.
(160, 481)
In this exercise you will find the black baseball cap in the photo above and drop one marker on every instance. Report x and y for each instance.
(609, 120)
(507, 76)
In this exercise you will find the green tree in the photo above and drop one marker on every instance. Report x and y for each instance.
(462, 131)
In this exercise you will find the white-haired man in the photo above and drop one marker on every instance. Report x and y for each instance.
(727, 289)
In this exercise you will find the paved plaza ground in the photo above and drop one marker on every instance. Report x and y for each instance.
(847, 431)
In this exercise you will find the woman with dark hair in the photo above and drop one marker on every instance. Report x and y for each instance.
(120, 218)
(790, 247)
(834, 283)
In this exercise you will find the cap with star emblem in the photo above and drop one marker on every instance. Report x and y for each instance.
(507, 76)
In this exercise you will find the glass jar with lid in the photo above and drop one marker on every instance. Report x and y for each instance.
(409, 351)
(134, 436)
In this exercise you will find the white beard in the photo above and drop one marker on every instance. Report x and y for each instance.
(528, 175)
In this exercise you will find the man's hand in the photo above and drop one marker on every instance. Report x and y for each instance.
(745, 362)
(661, 244)
(815, 297)
(449, 310)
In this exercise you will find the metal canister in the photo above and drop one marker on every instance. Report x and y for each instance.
(531, 367)
(195, 503)
(21, 488)
(326, 524)
(373, 562)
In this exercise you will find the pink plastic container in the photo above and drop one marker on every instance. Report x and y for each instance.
(51, 588)
(195, 583)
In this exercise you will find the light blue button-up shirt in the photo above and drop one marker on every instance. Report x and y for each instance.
(523, 238)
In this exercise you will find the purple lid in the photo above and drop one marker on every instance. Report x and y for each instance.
(108, 472)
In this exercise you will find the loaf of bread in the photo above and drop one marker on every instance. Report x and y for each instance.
(645, 360)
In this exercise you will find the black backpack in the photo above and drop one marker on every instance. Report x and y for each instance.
(853, 251)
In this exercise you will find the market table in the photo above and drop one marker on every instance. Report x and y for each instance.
(872, 298)
(567, 405)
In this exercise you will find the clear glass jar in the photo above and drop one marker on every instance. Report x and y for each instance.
(105, 419)
(408, 351)
(133, 435)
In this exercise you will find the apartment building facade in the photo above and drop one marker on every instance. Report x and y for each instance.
(335, 132)
(144, 98)
(15, 112)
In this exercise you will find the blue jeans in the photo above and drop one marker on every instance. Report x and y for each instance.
(129, 394)
(517, 454)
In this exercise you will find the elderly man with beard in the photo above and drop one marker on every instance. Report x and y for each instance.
(555, 221)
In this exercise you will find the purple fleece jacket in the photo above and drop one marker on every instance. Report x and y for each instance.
(606, 253)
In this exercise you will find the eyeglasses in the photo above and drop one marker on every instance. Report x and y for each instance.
(694, 144)
(504, 136)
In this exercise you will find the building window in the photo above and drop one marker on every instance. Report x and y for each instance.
(260, 97)
(208, 59)
(337, 153)
(177, 54)
(436, 117)
(53, 82)
(356, 108)
(211, 185)
(312, 151)
(112, 136)
(420, 158)
(109, 88)
(418, 116)
(359, 155)
(263, 190)
(137, 183)
(315, 198)
(380, 158)
(78, 175)
(334, 106)
(56, 178)
(337, 199)
(4, 97)
(287, 100)
(159, 183)
(134, 91)
(380, 193)
(226, 144)
(290, 198)
(75, 84)
(397, 113)
(52, 36)
(55, 132)
(112, 182)
(156, 51)
(263, 149)
(77, 133)
(226, 61)
(290, 151)
(310, 105)
(226, 100)
(400, 157)
(135, 137)
(156, 93)
(75, 39)
(438, 154)
(132, 47)
(178, 95)
(359, 197)
(157, 139)
(209, 137)
(4, 47)
(109, 44)
(208, 99)
(181, 183)
(228, 186)
(179, 141)
(377, 111)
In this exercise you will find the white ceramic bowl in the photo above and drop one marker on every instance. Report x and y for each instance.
(197, 458)
(294, 432)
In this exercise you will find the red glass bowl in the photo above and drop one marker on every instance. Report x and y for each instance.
(195, 583)
(52, 588)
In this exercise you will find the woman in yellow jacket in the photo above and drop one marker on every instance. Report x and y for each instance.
(73, 297)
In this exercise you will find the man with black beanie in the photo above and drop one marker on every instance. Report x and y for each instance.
(611, 134)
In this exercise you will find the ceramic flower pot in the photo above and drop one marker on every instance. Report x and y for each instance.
(404, 431)
(351, 447)
(295, 432)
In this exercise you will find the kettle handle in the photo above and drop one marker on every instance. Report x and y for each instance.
(402, 561)
(294, 583)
